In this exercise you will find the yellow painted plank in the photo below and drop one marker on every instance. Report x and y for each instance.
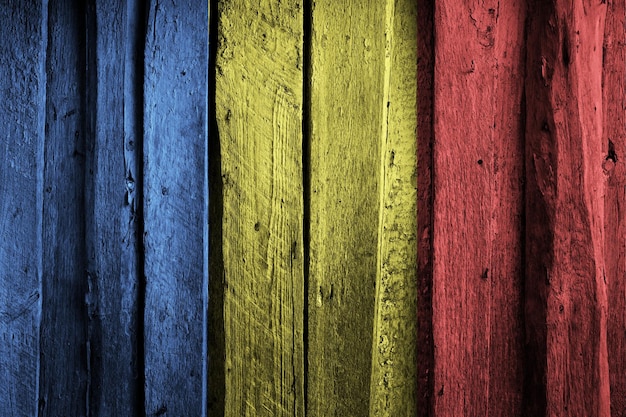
(361, 356)
(259, 115)
(394, 366)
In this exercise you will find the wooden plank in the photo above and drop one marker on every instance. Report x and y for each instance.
(22, 62)
(614, 147)
(259, 114)
(175, 208)
(478, 154)
(348, 122)
(64, 365)
(394, 377)
(425, 137)
(566, 289)
(114, 63)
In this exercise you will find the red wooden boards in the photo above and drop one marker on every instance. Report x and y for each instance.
(553, 248)
(614, 156)
(566, 291)
(477, 172)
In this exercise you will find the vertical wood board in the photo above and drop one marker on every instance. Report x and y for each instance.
(477, 168)
(111, 205)
(394, 377)
(175, 208)
(566, 288)
(348, 106)
(614, 156)
(64, 362)
(259, 114)
(23, 35)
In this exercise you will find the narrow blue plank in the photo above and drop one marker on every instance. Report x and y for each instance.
(175, 207)
(64, 366)
(22, 115)
(114, 63)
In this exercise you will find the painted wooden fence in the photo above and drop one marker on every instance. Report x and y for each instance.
(208, 209)
(521, 220)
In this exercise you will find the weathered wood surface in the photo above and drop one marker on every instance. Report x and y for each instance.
(358, 224)
(23, 35)
(259, 77)
(113, 182)
(64, 363)
(566, 287)
(175, 208)
(394, 376)
(477, 172)
(425, 136)
(614, 156)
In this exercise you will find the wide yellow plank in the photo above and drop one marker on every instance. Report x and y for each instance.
(361, 293)
(259, 115)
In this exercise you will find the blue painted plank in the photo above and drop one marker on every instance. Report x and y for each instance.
(175, 207)
(114, 62)
(22, 83)
(64, 376)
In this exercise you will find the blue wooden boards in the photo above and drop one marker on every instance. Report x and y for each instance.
(22, 52)
(97, 304)
(176, 207)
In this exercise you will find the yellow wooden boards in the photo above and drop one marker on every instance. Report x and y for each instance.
(349, 313)
(394, 362)
(363, 217)
(259, 114)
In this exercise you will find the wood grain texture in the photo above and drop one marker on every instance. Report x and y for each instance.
(64, 359)
(259, 115)
(111, 206)
(566, 288)
(175, 208)
(23, 35)
(477, 165)
(425, 137)
(614, 148)
(349, 68)
(394, 378)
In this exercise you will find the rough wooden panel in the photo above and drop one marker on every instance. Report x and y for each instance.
(566, 289)
(175, 208)
(425, 84)
(394, 377)
(111, 205)
(259, 114)
(614, 148)
(348, 114)
(22, 110)
(478, 203)
(64, 357)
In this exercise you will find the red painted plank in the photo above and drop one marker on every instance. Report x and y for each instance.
(566, 298)
(614, 147)
(477, 168)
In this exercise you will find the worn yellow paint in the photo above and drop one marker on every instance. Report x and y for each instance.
(259, 113)
(394, 366)
(363, 217)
